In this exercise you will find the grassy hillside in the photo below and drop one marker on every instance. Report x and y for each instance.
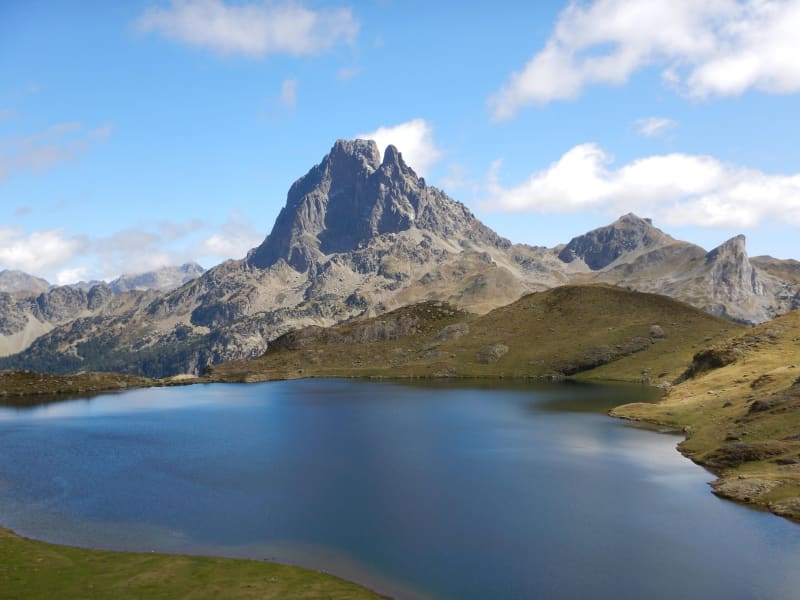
(29, 383)
(740, 408)
(33, 570)
(594, 331)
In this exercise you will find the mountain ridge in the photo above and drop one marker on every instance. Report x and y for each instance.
(360, 236)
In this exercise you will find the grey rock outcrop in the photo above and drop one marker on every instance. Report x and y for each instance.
(632, 253)
(351, 198)
(732, 276)
(601, 247)
(24, 318)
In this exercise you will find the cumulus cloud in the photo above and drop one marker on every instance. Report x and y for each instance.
(679, 189)
(232, 240)
(288, 97)
(73, 275)
(38, 251)
(252, 29)
(414, 139)
(705, 49)
(63, 258)
(654, 126)
(39, 152)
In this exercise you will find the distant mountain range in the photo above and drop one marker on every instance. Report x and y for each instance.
(31, 307)
(361, 235)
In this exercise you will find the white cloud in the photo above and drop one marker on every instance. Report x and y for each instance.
(288, 97)
(708, 48)
(235, 237)
(414, 139)
(654, 126)
(38, 251)
(38, 152)
(73, 275)
(63, 258)
(252, 29)
(678, 189)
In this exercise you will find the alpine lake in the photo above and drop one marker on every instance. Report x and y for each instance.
(457, 490)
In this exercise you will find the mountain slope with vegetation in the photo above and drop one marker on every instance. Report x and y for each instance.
(593, 331)
(740, 408)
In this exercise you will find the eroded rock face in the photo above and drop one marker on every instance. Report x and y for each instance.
(733, 277)
(351, 198)
(601, 247)
(632, 253)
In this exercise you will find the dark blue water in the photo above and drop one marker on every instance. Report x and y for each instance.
(445, 492)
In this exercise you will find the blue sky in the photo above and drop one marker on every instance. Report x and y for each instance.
(138, 134)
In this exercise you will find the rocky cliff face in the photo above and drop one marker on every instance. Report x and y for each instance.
(27, 315)
(24, 318)
(351, 198)
(359, 236)
(626, 236)
(633, 253)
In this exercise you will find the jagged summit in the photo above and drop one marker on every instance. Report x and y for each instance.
(351, 197)
(600, 247)
(733, 277)
(736, 247)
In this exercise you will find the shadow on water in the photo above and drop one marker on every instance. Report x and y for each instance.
(39, 400)
(563, 396)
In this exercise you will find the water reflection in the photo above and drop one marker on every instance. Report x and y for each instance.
(471, 490)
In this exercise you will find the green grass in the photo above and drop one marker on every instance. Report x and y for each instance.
(742, 418)
(591, 332)
(33, 570)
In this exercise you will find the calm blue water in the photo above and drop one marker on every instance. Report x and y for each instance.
(432, 492)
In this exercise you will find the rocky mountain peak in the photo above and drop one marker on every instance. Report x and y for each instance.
(350, 198)
(354, 153)
(600, 247)
(733, 277)
(735, 248)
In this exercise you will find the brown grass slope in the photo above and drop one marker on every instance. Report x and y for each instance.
(594, 331)
(740, 409)
(30, 383)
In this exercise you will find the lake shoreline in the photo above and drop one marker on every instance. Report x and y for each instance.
(741, 489)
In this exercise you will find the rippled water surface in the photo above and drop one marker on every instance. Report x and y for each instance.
(436, 491)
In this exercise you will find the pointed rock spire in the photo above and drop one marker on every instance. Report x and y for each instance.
(351, 197)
